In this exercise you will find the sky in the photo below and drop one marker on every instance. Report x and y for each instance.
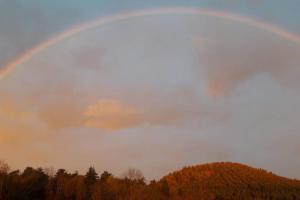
(158, 86)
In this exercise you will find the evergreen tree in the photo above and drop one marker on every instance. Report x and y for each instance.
(91, 176)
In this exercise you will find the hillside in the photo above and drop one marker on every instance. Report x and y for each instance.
(229, 181)
(215, 181)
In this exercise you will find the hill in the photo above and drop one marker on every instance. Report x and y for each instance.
(229, 181)
(215, 181)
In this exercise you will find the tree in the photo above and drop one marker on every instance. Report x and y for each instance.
(61, 172)
(104, 176)
(57, 185)
(134, 175)
(91, 176)
(165, 190)
(4, 167)
(33, 184)
(12, 186)
(49, 171)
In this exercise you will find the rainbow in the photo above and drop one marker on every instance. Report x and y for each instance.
(4, 71)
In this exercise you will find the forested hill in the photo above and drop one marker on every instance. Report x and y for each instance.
(229, 181)
(223, 181)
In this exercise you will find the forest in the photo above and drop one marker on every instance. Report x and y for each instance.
(214, 181)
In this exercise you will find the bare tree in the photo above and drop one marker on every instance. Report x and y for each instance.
(4, 167)
(50, 171)
(134, 174)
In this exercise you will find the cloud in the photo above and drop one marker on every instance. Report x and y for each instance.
(111, 115)
(114, 115)
(61, 114)
(230, 59)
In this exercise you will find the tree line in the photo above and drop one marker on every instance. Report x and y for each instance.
(221, 181)
(40, 184)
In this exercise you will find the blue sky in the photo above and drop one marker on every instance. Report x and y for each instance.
(27, 22)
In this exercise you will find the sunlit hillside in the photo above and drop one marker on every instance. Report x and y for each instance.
(227, 181)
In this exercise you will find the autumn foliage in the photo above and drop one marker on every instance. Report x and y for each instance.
(216, 181)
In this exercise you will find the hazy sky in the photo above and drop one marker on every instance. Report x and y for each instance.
(155, 92)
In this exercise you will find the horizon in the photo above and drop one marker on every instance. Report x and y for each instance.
(51, 172)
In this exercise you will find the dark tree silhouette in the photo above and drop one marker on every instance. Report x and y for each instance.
(91, 176)
(217, 181)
